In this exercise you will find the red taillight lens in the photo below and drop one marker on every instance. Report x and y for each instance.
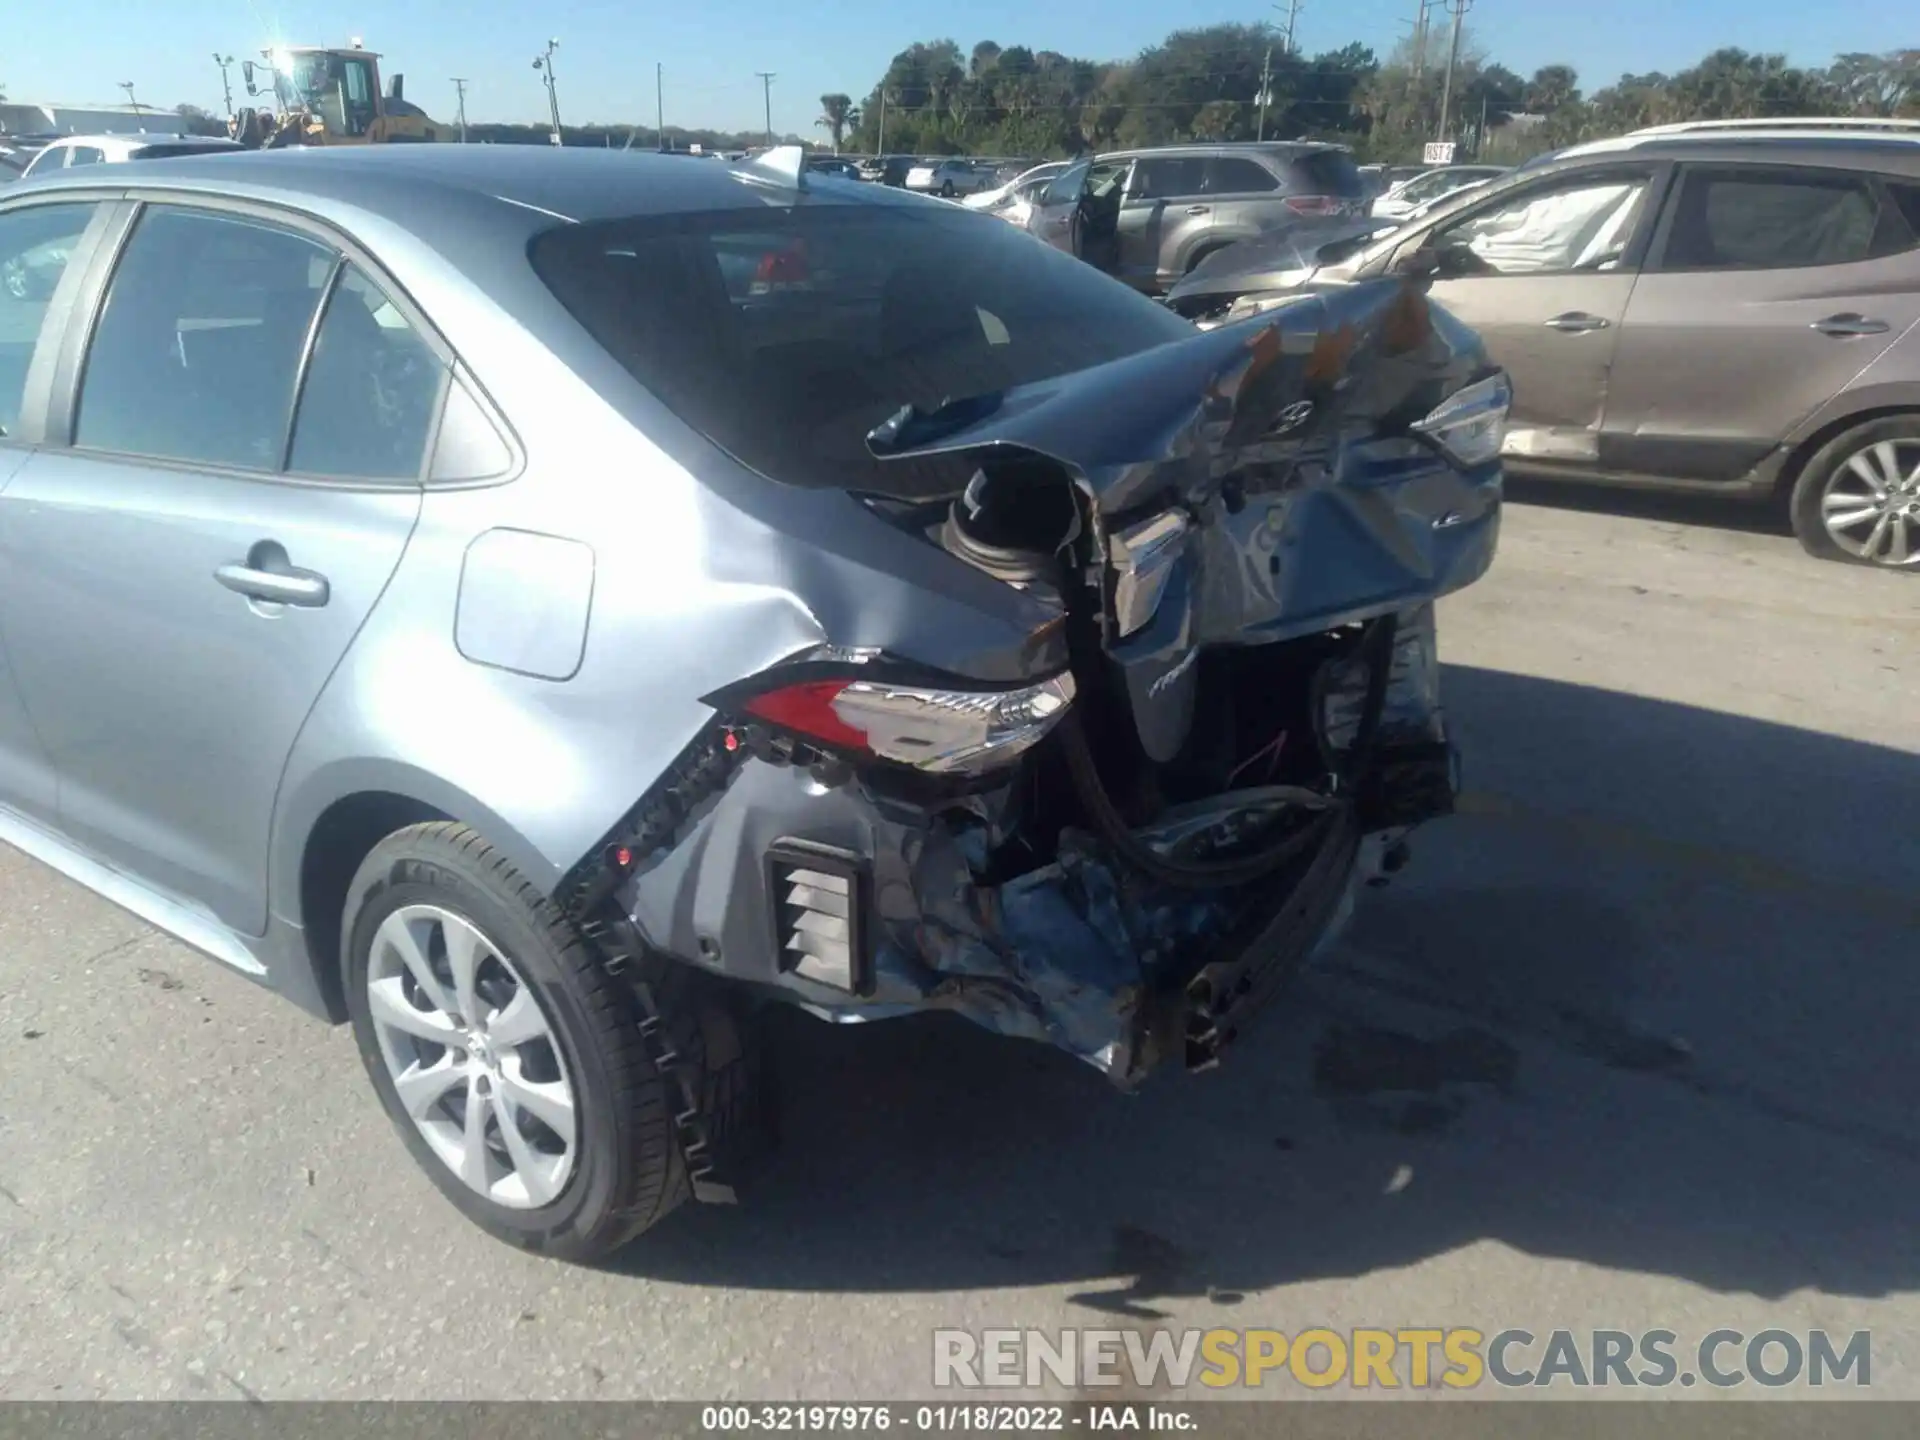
(807, 709)
(783, 267)
(1315, 204)
(944, 731)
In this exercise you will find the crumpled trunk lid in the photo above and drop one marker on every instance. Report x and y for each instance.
(1286, 446)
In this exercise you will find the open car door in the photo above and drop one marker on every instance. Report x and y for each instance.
(1056, 215)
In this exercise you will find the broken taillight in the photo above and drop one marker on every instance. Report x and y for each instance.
(932, 728)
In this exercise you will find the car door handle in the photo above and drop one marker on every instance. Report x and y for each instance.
(267, 574)
(1199, 209)
(1841, 326)
(1576, 322)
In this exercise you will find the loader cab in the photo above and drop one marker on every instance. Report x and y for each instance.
(337, 90)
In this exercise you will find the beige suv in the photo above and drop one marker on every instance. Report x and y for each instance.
(1725, 307)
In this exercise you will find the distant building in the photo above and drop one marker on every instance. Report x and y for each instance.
(23, 119)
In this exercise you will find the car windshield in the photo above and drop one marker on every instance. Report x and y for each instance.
(786, 335)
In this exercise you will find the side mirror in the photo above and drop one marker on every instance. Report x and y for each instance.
(246, 73)
(397, 88)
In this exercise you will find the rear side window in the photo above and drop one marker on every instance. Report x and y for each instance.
(785, 336)
(1906, 199)
(35, 245)
(1237, 175)
(1773, 220)
(196, 354)
(1161, 177)
(371, 390)
(85, 155)
(1327, 172)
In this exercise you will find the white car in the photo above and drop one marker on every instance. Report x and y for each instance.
(1434, 185)
(1012, 200)
(949, 178)
(71, 150)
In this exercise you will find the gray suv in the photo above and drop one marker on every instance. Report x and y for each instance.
(1147, 217)
(1723, 307)
(537, 605)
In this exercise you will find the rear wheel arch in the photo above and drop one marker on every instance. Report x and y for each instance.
(345, 833)
(1888, 406)
(329, 825)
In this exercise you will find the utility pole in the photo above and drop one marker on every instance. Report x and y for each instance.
(545, 62)
(659, 106)
(766, 86)
(1459, 8)
(1293, 16)
(880, 145)
(1265, 96)
(460, 88)
(226, 88)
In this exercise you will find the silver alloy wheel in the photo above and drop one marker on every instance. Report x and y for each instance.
(1871, 506)
(472, 1056)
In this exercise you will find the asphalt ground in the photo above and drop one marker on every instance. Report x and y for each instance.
(1630, 1045)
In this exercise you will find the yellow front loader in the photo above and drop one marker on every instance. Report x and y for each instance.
(321, 96)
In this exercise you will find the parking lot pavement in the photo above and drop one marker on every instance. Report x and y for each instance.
(1629, 1045)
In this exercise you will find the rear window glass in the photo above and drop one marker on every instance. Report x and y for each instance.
(786, 335)
(1327, 172)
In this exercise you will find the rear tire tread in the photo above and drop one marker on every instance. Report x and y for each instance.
(652, 1180)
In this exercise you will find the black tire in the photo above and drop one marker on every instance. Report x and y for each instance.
(1804, 504)
(628, 1173)
(946, 189)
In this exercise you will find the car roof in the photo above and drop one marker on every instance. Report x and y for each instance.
(440, 193)
(1285, 148)
(140, 139)
(1787, 145)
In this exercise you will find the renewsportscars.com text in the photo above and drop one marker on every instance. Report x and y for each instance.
(1460, 1358)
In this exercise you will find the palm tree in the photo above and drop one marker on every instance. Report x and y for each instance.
(837, 116)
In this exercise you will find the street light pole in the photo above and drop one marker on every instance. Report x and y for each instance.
(766, 86)
(659, 106)
(460, 88)
(226, 87)
(132, 104)
(545, 62)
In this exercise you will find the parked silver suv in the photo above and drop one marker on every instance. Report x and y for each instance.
(1147, 217)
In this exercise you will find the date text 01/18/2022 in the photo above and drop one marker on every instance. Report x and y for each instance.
(973, 1418)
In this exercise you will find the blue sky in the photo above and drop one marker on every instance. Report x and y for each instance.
(80, 50)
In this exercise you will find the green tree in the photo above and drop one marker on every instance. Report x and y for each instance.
(837, 116)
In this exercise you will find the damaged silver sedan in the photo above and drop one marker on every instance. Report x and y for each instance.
(669, 588)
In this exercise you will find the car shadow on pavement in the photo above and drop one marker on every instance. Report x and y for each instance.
(1717, 512)
(1645, 1003)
